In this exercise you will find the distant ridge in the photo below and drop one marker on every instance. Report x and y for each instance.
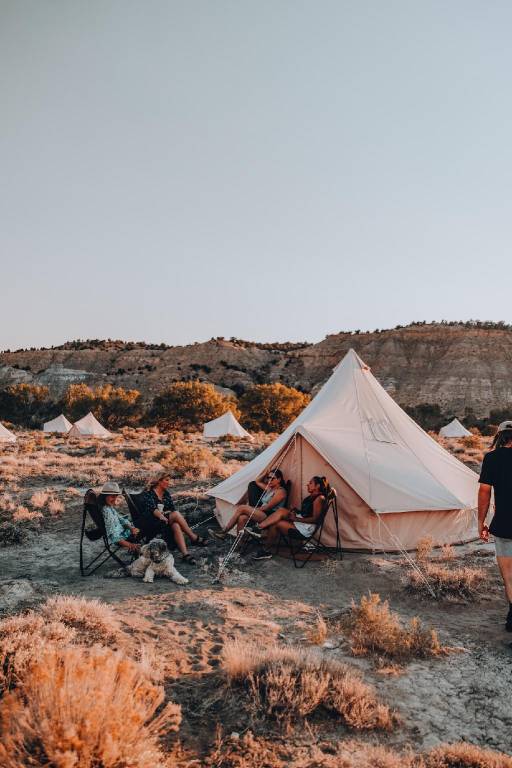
(459, 366)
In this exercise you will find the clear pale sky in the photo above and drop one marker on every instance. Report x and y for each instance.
(272, 170)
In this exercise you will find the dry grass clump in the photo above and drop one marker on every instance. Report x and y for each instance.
(24, 637)
(317, 633)
(287, 684)
(253, 752)
(93, 620)
(374, 629)
(22, 514)
(87, 708)
(464, 756)
(39, 499)
(439, 581)
(424, 548)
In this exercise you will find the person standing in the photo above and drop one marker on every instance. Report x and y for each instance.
(496, 474)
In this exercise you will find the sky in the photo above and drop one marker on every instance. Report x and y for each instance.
(269, 169)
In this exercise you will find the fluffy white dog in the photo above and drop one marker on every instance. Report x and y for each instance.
(156, 560)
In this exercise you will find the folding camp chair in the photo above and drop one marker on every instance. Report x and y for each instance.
(306, 547)
(96, 532)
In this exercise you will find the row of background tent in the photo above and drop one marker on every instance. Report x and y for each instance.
(89, 426)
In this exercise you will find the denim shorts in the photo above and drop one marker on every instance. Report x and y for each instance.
(503, 547)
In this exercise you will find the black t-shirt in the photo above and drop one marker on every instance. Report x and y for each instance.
(497, 471)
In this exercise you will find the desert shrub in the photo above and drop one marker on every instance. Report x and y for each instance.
(471, 441)
(465, 756)
(25, 404)
(271, 407)
(113, 406)
(374, 629)
(92, 619)
(87, 707)
(424, 548)
(22, 638)
(438, 581)
(55, 507)
(317, 633)
(22, 514)
(286, 684)
(188, 404)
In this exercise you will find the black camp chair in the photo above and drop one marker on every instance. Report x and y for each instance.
(93, 529)
(133, 504)
(305, 547)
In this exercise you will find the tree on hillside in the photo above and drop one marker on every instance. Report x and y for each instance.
(26, 404)
(271, 407)
(113, 406)
(188, 404)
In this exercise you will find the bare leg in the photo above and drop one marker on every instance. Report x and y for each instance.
(177, 518)
(257, 515)
(274, 517)
(179, 538)
(505, 566)
(243, 509)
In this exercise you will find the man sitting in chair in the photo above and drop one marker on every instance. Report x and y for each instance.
(293, 522)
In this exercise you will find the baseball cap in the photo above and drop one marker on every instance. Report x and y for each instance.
(505, 425)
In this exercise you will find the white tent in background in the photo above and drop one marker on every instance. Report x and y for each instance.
(89, 426)
(60, 424)
(395, 484)
(454, 429)
(6, 436)
(224, 425)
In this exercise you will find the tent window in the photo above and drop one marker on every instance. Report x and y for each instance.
(382, 431)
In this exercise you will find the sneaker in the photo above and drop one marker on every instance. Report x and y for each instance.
(222, 535)
(254, 532)
(262, 554)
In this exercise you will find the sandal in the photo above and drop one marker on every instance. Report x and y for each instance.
(188, 559)
(201, 542)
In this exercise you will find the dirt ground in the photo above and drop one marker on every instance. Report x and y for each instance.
(464, 696)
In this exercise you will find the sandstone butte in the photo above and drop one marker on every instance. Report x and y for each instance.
(457, 367)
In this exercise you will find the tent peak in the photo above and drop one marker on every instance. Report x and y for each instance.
(351, 359)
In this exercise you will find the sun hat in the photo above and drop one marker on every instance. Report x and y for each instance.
(505, 425)
(111, 489)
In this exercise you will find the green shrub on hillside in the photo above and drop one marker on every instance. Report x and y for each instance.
(114, 406)
(26, 404)
(188, 404)
(271, 407)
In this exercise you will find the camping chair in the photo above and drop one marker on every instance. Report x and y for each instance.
(299, 545)
(96, 532)
(132, 502)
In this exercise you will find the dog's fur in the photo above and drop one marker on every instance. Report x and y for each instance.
(156, 560)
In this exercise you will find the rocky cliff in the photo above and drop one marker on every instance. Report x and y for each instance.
(455, 366)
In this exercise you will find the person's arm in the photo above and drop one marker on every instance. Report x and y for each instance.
(276, 497)
(168, 502)
(261, 481)
(486, 480)
(151, 509)
(484, 499)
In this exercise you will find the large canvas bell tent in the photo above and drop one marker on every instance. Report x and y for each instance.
(395, 484)
(60, 424)
(6, 436)
(454, 429)
(89, 426)
(224, 425)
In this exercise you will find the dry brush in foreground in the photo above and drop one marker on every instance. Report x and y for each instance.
(287, 684)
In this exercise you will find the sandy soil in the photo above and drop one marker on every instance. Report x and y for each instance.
(464, 696)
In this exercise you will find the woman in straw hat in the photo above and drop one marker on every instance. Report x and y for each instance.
(162, 519)
(118, 527)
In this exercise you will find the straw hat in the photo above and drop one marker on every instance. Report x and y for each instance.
(111, 489)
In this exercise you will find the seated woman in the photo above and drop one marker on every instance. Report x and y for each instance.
(118, 527)
(161, 519)
(295, 522)
(273, 498)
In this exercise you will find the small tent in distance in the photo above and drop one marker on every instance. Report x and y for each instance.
(454, 429)
(89, 426)
(60, 424)
(6, 436)
(395, 484)
(224, 425)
